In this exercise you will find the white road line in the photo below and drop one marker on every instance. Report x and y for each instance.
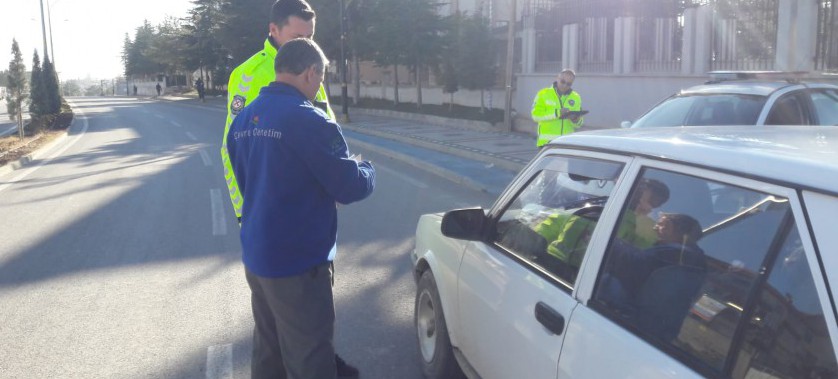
(191, 136)
(175, 123)
(158, 116)
(44, 161)
(220, 361)
(402, 176)
(219, 222)
(205, 157)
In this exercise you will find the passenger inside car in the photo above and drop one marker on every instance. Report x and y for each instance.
(654, 287)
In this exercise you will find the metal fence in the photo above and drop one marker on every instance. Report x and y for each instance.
(826, 53)
(743, 33)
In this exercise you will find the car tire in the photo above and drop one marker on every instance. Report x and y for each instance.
(438, 361)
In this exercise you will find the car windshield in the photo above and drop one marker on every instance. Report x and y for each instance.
(715, 109)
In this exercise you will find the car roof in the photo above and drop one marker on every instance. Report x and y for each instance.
(748, 87)
(738, 87)
(800, 156)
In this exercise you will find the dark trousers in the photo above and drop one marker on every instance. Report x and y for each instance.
(295, 318)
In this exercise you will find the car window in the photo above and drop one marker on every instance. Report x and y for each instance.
(550, 222)
(826, 106)
(788, 110)
(717, 109)
(787, 336)
(701, 281)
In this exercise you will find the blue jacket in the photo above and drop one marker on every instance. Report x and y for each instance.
(292, 166)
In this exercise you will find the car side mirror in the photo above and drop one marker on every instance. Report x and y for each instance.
(465, 224)
(625, 124)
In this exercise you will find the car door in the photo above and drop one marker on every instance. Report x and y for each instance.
(515, 288)
(730, 288)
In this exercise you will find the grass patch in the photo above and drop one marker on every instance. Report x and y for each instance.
(38, 132)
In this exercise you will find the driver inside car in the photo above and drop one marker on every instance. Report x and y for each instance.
(569, 230)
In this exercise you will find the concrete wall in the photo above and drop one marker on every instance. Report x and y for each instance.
(610, 98)
(432, 95)
(145, 88)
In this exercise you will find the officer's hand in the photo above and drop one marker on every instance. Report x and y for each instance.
(565, 111)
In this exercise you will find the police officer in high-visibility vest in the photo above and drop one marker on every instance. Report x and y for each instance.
(551, 108)
(290, 19)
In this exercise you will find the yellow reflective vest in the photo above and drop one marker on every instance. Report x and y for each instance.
(245, 82)
(546, 109)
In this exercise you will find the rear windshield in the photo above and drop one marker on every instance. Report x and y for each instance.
(715, 109)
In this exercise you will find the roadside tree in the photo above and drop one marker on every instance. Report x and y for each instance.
(49, 80)
(16, 87)
(37, 93)
(476, 57)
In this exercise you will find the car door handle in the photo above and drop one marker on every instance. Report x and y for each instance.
(548, 317)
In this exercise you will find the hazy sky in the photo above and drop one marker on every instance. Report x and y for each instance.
(87, 34)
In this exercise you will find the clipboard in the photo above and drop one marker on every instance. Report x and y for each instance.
(573, 114)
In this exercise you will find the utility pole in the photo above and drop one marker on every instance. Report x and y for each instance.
(44, 27)
(510, 59)
(344, 91)
(51, 46)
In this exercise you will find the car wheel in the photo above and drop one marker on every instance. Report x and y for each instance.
(432, 333)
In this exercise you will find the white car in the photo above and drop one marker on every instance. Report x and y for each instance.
(747, 98)
(642, 253)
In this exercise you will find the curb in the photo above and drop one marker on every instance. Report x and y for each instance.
(427, 167)
(28, 158)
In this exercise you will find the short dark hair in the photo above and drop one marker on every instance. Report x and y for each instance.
(658, 193)
(686, 226)
(283, 9)
(297, 55)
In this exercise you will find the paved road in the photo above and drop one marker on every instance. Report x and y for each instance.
(120, 258)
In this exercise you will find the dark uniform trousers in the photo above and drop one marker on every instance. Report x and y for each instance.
(295, 320)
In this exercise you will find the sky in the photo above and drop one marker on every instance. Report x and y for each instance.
(87, 34)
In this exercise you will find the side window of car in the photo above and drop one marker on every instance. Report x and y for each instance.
(788, 110)
(786, 335)
(550, 222)
(826, 106)
(702, 272)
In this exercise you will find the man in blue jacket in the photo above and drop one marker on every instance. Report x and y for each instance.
(293, 168)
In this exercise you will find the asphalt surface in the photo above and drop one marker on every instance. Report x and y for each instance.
(121, 258)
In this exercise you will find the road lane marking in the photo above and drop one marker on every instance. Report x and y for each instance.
(191, 136)
(220, 361)
(175, 123)
(205, 157)
(402, 176)
(219, 222)
(44, 161)
(159, 116)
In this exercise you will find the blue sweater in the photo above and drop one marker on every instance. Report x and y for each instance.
(292, 165)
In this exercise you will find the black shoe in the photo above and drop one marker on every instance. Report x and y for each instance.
(345, 370)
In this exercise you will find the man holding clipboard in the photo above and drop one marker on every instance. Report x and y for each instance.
(557, 109)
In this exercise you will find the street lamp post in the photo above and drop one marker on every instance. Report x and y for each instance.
(44, 28)
(344, 92)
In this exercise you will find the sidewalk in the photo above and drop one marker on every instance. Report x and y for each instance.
(478, 157)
